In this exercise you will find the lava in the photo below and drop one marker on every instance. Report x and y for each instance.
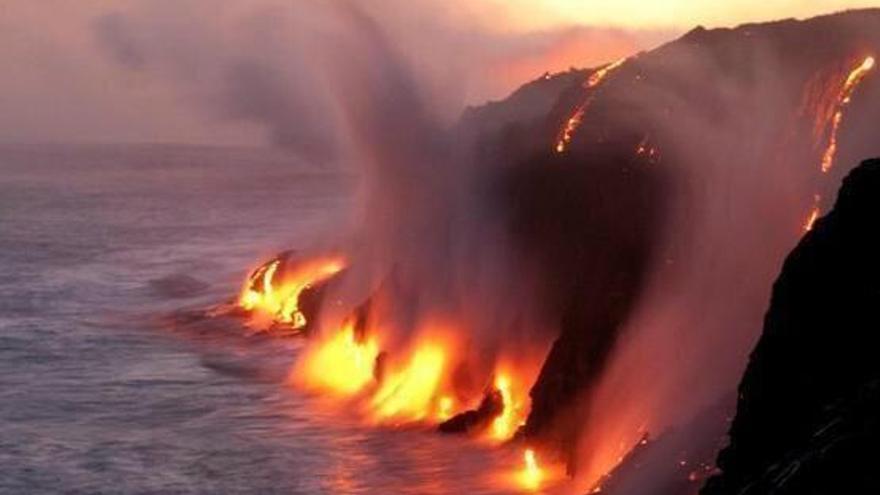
(341, 365)
(273, 290)
(412, 391)
(351, 362)
(531, 475)
(814, 214)
(811, 220)
(444, 408)
(573, 122)
(855, 77)
(513, 413)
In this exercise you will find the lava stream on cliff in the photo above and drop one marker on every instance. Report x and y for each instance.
(855, 77)
(576, 118)
(834, 120)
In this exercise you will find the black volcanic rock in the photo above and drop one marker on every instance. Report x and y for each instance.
(808, 416)
(596, 221)
(592, 229)
(478, 419)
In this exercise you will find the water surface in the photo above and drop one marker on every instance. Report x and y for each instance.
(101, 248)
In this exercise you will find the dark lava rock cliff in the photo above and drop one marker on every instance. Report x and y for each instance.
(808, 415)
(707, 130)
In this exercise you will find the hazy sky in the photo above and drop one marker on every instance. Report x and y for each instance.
(530, 14)
(233, 71)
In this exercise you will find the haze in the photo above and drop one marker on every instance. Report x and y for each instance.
(182, 71)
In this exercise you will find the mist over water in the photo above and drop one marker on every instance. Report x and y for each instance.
(105, 391)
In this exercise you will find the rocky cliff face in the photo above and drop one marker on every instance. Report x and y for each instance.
(808, 416)
(684, 185)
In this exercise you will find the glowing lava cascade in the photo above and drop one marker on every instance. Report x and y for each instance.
(513, 413)
(576, 118)
(844, 98)
(852, 82)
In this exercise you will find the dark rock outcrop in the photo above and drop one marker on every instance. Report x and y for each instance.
(808, 415)
(591, 228)
(664, 136)
(672, 463)
(475, 420)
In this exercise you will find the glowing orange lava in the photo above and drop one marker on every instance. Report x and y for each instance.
(811, 220)
(444, 408)
(276, 298)
(573, 122)
(341, 365)
(852, 82)
(406, 389)
(514, 411)
(571, 125)
(531, 476)
(411, 392)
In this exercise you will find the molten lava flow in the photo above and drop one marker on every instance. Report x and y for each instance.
(268, 294)
(573, 122)
(444, 408)
(411, 393)
(814, 213)
(341, 365)
(845, 96)
(514, 411)
(811, 220)
(571, 125)
(531, 475)
(409, 387)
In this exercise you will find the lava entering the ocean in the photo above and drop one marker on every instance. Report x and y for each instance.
(513, 410)
(272, 291)
(531, 475)
(343, 364)
(415, 384)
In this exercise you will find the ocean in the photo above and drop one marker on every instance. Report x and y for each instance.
(104, 251)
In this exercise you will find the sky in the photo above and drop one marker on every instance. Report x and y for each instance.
(235, 71)
(681, 14)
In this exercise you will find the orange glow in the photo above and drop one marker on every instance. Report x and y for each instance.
(444, 408)
(278, 299)
(571, 125)
(411, 392)
(341, 365)
(577, 117)
(855, 77)
(411, 384)
(514, 395)
(531, 476)
(597, 77)
(408, 388)
(811, 220)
